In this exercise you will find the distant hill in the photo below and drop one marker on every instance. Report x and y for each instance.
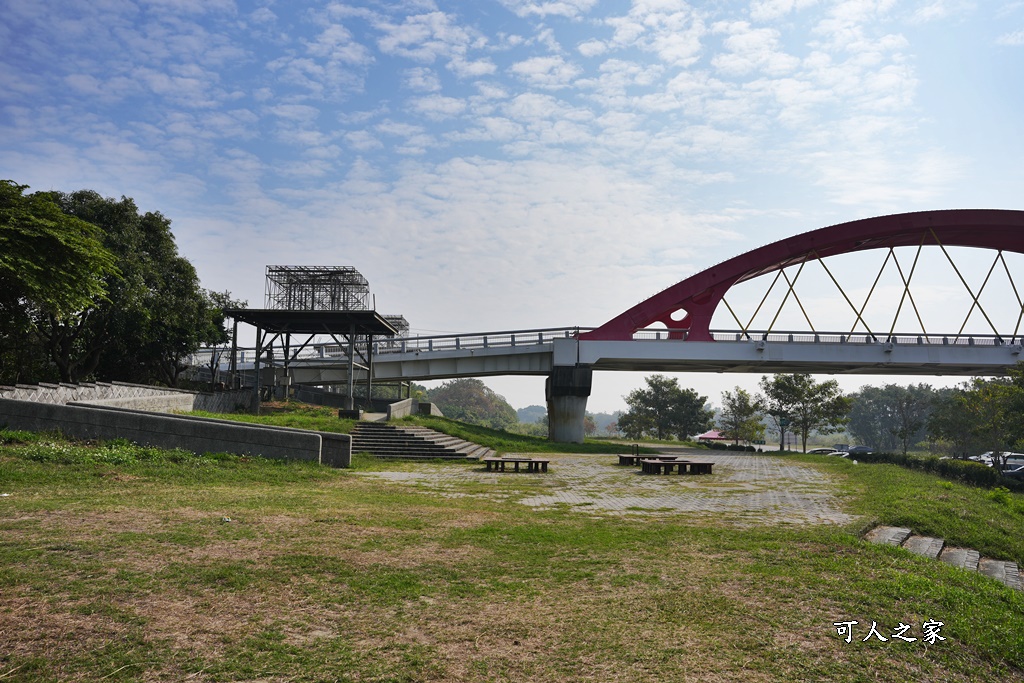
(531, 414)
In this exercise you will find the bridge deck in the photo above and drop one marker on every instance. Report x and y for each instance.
(535, 352)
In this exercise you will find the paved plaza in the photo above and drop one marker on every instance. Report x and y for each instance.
(745, 489)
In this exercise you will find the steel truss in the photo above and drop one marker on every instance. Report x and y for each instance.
(697, 297)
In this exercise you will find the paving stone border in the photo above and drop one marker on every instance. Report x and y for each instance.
(935, 548)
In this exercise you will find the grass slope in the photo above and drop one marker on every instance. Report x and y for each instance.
(319, 418)
(122, 563)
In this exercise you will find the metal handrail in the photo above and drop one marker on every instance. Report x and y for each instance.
(544, 336)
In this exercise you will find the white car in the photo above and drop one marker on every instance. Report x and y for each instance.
(989, 458)
(827, 451)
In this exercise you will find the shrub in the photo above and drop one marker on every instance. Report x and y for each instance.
(966, 471)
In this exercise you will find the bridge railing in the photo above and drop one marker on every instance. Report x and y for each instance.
(541, 336)
(451, 342)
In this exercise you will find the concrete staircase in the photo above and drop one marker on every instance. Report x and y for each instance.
(412, 442)
(935, 548)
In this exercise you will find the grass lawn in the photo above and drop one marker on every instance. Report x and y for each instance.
(121, 563)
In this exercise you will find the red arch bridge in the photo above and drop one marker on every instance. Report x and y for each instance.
(948, 270)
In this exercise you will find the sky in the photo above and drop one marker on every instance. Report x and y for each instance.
(511, 164)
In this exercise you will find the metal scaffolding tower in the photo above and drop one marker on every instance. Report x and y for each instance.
(316, 288)
(307, 303)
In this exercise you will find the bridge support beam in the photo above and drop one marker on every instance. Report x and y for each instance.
(567, 389)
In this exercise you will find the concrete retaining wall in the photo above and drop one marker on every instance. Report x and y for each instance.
(163, 403)
(134, 396)
(195, 434)
(412, 406)
(401, 408)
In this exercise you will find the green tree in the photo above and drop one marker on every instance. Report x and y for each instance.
(804, 403)
(951, 424)
(155, 313)
(988, 406)
(52, 266)
(663, 410)
(891, 416)
(740, 418)
(470, 400)
(982, 414)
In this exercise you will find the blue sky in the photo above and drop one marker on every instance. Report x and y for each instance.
(508, 164)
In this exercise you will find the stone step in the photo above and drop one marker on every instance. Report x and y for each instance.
(409, 443)
(412, 442)
(965, 558)
(890, 535)
(1001, 570)
(414, 456)
(926, 546)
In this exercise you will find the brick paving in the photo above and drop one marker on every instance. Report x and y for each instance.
(744, 489)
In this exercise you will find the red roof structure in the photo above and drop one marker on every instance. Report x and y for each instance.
(713, 435)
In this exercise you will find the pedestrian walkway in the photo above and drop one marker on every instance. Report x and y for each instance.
(936, 549)
(745, 489)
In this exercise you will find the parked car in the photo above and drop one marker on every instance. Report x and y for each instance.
(854, 450)
(827, 451)
(1015, 471)
(989, 458)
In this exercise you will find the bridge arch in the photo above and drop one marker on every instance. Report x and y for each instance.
(698, 296)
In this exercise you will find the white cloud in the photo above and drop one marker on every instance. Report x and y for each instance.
(563, 8)
(752, 49)
(425, 37)
(301, 113)
(550, 73)
(491, 129)
(422, 79)
(770, 10)
(336, 44)
(1011, 39)
(868, 177)
(363, 140)
(672, 29)
(471, 69)
(437, 107)
(592, 48)
(937, 10)
(263, 15)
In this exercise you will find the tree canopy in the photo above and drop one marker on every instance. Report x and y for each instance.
(663, 409)
(890, 417)
(982, 414)
(740, 417)
(50, 261)
(97, 289)
(804, 405)
(52, 265)
(470, 400)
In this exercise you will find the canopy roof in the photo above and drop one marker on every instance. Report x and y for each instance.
(314, 322)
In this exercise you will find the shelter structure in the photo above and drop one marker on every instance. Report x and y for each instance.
(712, 435)
(309, 302)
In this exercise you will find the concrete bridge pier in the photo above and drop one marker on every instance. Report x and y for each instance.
(567, 389)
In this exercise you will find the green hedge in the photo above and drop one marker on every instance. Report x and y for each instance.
(719, 446)
(967, 471)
